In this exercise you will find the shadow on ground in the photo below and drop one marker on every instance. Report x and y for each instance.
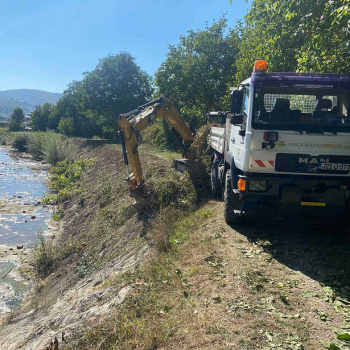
(318, 249)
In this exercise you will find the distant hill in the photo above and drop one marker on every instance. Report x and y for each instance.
(26, 99)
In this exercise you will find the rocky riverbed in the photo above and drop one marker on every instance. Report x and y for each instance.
(23, 182)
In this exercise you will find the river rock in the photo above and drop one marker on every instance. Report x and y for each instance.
(33, 217)
(20, 246)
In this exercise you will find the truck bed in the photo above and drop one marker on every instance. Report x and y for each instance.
(217, 139)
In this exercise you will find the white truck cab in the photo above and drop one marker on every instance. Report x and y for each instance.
(284, 144)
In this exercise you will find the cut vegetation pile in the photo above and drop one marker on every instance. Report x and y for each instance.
(176, 276)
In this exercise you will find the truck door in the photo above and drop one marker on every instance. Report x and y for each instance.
(238, 131)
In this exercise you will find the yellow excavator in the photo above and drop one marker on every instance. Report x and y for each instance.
(130, 124)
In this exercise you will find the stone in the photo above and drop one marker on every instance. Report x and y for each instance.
(20, 246)
(33, 217)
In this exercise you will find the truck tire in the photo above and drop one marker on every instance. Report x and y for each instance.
(232, 202)
(216, 189)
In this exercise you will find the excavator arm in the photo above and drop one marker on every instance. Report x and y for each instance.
(130, 125)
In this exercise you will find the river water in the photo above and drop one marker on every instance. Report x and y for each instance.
(23, 182)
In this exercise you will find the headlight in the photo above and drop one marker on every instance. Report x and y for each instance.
(257, 186)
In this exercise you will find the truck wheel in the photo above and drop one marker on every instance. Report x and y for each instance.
(232, 202)
(216, 189)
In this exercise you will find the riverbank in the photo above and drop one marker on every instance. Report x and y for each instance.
(23, 182)
(177, 276)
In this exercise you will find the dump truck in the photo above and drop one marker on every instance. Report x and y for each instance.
(283, 146)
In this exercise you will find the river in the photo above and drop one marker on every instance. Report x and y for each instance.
(23, 182)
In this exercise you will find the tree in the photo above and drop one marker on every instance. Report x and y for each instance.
(41, 117)
(117, 85)
(295, 35)
(17, 118)
(66, 126)
(198, 69)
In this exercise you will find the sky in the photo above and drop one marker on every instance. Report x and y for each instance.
(46, 44)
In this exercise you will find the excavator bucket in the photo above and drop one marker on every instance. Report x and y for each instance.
(183, 165)
(141, 203)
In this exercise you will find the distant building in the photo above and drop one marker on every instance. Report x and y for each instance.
(4, 119)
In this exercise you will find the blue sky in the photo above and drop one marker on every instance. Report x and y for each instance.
(45, 44)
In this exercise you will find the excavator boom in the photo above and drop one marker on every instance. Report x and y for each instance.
(130, 125)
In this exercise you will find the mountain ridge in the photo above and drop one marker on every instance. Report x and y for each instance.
(26, 99)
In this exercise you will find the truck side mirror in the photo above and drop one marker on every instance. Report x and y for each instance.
(241, 132)
(236, 101)
(237, 119)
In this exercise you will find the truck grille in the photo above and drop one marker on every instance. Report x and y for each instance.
(305, 163)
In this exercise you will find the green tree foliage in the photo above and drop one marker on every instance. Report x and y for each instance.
(66, 126)
(327, 46)
(41, 117)
(117, 85)
(198, 69)
(17, 118)
(295, 35)
(73, 107)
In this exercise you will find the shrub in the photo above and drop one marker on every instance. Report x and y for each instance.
(35, 145)
(57, 148)
(44, 257)
(20, 142)
(65, 176)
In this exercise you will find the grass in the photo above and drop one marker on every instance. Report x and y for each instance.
(44, 257)
(47, 146)
(145, 320)
(160, 153)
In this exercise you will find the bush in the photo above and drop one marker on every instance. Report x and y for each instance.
(20, 142)
(35, 145)
(58, 148)
(44, 257)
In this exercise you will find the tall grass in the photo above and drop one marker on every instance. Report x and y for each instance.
(47, 146)
(57, 148)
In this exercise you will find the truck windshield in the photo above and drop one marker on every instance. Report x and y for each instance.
(310, 110)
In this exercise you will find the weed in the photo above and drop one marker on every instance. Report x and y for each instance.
(44, 256)
(58, 148)
(86, 265)
(58, 215)
(65, 176)
(35, 145)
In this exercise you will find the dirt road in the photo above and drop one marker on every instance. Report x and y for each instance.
(265, 285)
